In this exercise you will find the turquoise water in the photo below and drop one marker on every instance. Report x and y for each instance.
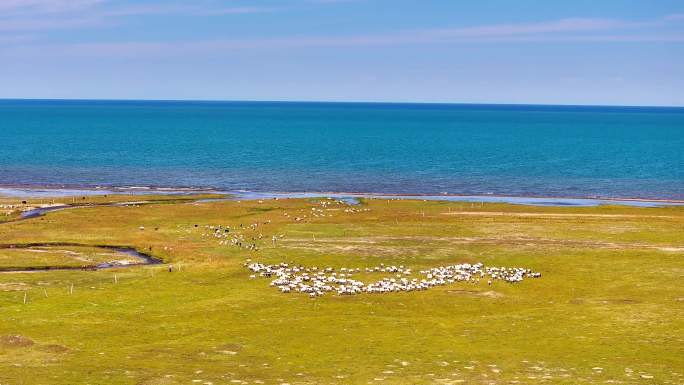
(379, 148)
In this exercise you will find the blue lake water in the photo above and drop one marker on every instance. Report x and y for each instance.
(568, 151)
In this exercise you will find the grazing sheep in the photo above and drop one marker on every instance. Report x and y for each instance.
(298, 279)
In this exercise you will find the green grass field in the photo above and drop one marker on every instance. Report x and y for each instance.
(11, 208)
(68, 256)
(609, 307)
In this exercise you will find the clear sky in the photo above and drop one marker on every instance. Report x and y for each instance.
(625, 52)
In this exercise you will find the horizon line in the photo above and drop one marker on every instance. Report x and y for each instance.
(328, 101)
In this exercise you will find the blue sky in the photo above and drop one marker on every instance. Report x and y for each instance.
(623, 52)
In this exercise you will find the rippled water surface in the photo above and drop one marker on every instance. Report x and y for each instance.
(379, 148)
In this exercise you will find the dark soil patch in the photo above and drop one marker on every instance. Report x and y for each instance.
(620, 301)
(16, 341)
(54, 348)
(476, 293)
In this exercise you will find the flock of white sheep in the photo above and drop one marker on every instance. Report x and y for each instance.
(316, 281)
(326, 210)
(235, 236)
(8, 209)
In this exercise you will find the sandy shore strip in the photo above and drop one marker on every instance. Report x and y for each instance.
(531, 200)
(50, 191)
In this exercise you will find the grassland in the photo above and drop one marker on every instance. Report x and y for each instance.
(12, 207)
(607, 309)
(59, 256)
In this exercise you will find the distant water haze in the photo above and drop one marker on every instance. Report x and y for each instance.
(346, 147)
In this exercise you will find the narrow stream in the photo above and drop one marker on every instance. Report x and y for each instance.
(143, 258)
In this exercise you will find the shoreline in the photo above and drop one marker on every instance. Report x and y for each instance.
(446, 196)
(41, 190)
(54, 191)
